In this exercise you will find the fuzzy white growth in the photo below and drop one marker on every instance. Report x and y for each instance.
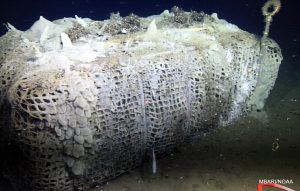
(152, 29)
(44, 35)
(40, 25)
(165, 13)
(152, 32)
(10, 27)
(44, 29)
(215, 16)
(153, 162)
(66, 41)
(81, 21)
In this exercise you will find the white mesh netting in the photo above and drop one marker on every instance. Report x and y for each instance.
(87, 100)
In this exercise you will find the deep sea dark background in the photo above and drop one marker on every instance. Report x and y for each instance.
(285, 28)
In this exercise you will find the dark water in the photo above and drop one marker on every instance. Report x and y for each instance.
(230, 159)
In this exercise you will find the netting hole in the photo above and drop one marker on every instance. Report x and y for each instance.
(46, 100)
(41, 108)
